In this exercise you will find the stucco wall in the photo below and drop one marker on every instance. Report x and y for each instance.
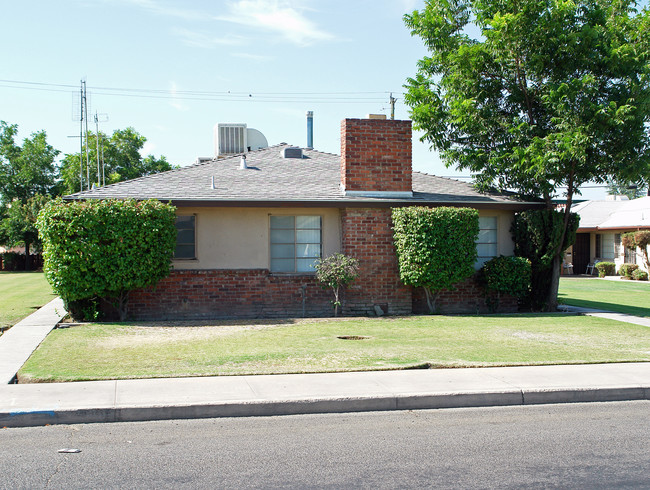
(238, 238)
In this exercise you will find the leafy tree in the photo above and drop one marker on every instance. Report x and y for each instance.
(436, 247)
(121, 154)
(105, 249)
(336, 271)
(537, 235)
(547, 95)
(18, 226)
(633, 190)
(26, 170)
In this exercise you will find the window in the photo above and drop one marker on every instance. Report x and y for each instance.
(605, 246)
(617, 245)
(186, 237)
(295, 243)
(486, 244)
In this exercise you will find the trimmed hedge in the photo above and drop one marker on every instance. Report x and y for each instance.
(507, 275)
(626, 270)
(436, 247)
(104, 249)
(640, 275)
(606, 269)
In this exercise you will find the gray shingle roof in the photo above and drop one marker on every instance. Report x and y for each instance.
(271, 179)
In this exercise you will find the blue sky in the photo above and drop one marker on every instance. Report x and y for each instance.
(173, 69)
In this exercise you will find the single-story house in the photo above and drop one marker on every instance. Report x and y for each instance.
(250, 227)
(601, 225)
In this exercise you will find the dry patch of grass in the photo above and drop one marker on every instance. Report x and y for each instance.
(166, 349)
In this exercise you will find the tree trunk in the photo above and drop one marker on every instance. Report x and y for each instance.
(28, 259)
(431, 299)
(551, 301)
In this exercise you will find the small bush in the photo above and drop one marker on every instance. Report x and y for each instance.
(335, 271)
(606, 269)
(640, 275)
(626, 270)
(507, 275)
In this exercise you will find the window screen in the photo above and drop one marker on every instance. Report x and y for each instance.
(185, 237)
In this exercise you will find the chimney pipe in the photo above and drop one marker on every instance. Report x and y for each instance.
(310, 130)
(242, 162)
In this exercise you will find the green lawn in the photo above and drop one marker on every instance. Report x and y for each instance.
(632, 297)
(117, 351)
(22, 293)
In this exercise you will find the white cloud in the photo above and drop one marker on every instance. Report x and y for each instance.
(252, 57)
(161, 8)
(176, 103)
(200, 40)
(276, 16)
(147, 148)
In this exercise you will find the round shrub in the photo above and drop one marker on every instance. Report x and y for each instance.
(640, 275)
(507, 275)
(606, 269)
(626, 270)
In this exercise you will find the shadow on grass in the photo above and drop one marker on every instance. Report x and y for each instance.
(603, 305)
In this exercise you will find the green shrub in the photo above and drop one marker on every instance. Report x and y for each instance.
(606, 269)
(626, 270)
(640, 275)
(638, 239)
(436, 247)
(104, 249)
(335, 271)
(506, 275)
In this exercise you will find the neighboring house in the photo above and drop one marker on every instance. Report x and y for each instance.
(601, 225)
(251, 226)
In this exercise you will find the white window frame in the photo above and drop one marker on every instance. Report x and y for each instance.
(482, 259)
(295, 256)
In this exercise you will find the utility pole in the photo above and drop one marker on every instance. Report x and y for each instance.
(85, 117)
(81, 139)
(392, 106)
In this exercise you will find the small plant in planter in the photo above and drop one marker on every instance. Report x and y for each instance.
(606, 269)
(334, 272)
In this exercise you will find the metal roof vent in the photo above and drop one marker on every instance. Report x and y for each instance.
(291, 152)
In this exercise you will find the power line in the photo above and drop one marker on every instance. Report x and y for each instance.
(220, 96)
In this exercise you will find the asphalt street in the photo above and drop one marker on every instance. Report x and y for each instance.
(595, 445)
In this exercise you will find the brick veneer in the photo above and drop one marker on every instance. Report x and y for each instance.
(367, 236)
(376, 155)
(254, 293)
(467, 298)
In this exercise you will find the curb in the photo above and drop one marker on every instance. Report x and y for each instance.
(321, 406)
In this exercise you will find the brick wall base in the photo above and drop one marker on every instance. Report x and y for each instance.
(368, 237)
(211, 294)
(468, 298)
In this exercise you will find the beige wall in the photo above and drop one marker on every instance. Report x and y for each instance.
(505, 245)
(238, 238)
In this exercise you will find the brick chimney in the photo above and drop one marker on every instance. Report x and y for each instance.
(376, 158)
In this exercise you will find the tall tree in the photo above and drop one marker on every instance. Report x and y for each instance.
(121, 156)
(535, 95)
(26, 170)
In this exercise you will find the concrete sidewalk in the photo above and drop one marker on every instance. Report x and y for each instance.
(18, 343)
(232, 396)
